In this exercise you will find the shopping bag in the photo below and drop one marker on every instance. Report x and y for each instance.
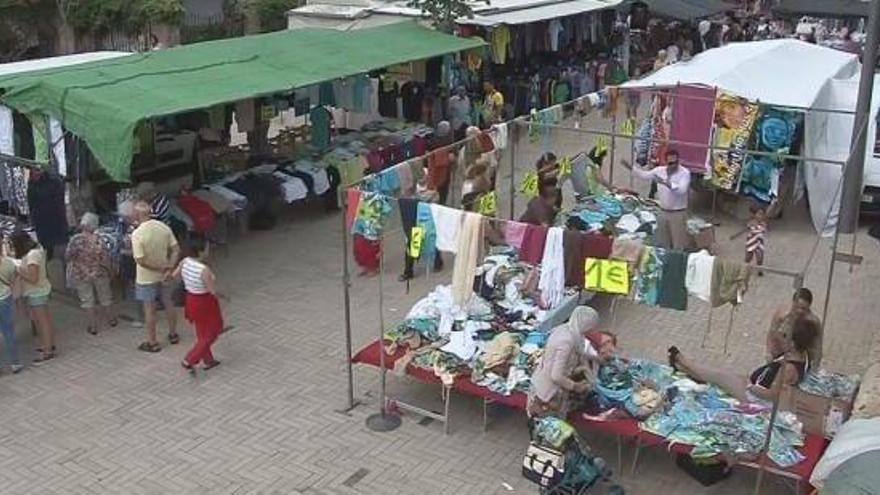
(543, 465)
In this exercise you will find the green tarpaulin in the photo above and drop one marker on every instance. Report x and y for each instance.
(102, 102)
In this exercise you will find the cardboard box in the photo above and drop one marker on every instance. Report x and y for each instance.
(819, 415)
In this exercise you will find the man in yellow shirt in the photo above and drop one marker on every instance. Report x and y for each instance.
(493, 104)
(155, 252)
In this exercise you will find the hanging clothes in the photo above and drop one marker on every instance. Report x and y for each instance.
(425, 220)
(552, 281)
(500, 39)
(245, 115)
(730, 281)
(447, 222)
(698, 279)
(597, 246)
(469, 252)
(673, 293)
(514, 234)
(199, 211)
(533, 244)
(649, 273)
(7, 138)
(573, 243)
(45, 199)
(320, 119)
(372, 214)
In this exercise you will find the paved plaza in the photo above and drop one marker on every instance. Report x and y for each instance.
(105, 418)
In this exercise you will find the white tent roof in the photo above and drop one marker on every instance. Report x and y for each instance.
(535, 13)
(54, 62)
(780, 72)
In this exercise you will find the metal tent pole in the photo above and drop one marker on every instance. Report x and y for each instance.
(382, 421)
(346, 301)
(512, 134)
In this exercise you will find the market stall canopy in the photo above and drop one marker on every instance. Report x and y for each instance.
(687, 9)
(825, 8)
(780, 72)
(56, 62)
(497, 14)
(102, 102)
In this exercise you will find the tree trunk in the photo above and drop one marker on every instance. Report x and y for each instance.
(66, 40)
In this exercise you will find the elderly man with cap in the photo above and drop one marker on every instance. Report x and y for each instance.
(564, 373)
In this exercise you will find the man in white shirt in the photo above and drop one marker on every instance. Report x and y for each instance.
(673, 182)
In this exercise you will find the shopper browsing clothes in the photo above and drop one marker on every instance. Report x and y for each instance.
(493, 105)
(155, 252)
(36, 290)
(564, 373)
(201, 307)
(7, 313)
(673, 183)
(779, 338)
(89, 270)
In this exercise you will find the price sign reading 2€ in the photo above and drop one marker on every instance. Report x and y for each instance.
(487, 204)
(530, 184)
(416, 237)
(610, 276)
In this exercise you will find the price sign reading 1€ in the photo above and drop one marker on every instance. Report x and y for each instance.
(610, 276)
(565, 167)
(487, 204)
(416, 237)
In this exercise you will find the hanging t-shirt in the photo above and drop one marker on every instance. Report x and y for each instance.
(412, 94)
(361, 94)
(388, 92)
(320, 119)
(500, 40)
(554, 28)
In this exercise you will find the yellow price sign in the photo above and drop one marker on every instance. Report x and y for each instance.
(417, 235)
(487, 204)
(530, 184)
(628, 128)
(611, 276)
(565, 167)
(601, 145)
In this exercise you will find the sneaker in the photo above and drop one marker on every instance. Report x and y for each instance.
(137, 324)
(15, 368)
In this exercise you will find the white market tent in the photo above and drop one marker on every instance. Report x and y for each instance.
(780, 72)
(828, 136)
(56, 62)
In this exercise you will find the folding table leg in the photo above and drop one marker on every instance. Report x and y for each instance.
(636, 456)
(485, 414)
(446, 410)
(619, 453)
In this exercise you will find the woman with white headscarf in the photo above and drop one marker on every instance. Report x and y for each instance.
(565, 358)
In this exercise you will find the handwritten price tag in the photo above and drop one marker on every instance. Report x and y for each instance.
(565, 167)
(416, 237)
(530, 184)
(610, 276)
(487, 204)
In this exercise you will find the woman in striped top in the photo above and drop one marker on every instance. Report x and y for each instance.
(201, 307)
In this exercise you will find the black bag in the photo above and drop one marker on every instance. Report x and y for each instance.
(178, 295)
(707, 472)
(543, 465)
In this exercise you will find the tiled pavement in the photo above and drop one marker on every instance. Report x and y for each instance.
(104, 418)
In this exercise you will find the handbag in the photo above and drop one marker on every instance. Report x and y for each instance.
(543, 465)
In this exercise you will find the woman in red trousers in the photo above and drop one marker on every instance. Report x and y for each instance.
(201, 307)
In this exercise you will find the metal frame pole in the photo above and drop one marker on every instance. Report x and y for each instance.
(613, 146)
(346, 301)
(512, 136)
(382, 421)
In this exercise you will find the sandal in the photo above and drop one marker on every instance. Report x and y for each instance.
(92, 330)
(113, 323)
(673, 353)
(148, 347)
(173, 338)
(188, 367)
(212, 364)
(42, 358)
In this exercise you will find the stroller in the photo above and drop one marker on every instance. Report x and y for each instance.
(561, 462)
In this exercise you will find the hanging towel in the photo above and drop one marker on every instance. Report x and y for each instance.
(648, 278)
(425, 220)
(499, 137)
(533, 244)
(730, 280)
(353, 201)
(673, 294)
(552, 281)
(469, 252)
(596, 246)
(629, 250)
(573, 243)
(514, 232)
(408, 210)
(698, 280)
(405, 175)
(7, 141)
(447, 221)
(56, 134)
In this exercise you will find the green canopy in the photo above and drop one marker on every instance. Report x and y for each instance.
(102, 102)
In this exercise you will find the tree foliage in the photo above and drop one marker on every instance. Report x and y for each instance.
(121, 15)
(444, 13)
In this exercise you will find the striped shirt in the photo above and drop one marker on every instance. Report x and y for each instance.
(191, 271)
(161, 209)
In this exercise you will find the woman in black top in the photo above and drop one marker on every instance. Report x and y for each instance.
(785, 370)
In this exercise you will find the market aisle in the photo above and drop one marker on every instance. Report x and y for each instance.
(104, 418)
